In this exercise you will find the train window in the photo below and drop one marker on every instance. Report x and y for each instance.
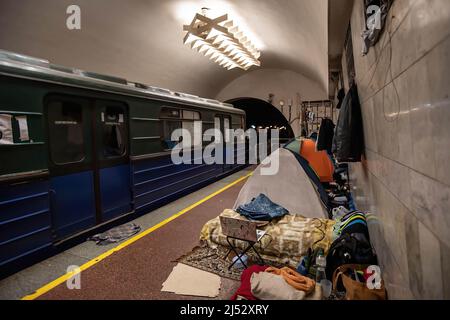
(167, 112)
(195, 131)
(218, 129)
(217, 123)
(226, 129)
(190, 122)
(191, 115)
(114, 132)
(169, 126)
(66, 132)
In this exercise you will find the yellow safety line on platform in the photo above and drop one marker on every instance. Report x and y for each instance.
(106, 254)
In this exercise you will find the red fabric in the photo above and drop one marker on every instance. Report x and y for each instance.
(245, 290)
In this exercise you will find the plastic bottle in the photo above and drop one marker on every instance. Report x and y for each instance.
(321, 277)
(321, 264)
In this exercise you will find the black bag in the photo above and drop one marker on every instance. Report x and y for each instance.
(352, 248)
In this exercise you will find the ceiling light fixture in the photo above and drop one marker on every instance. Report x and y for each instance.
(222, 41)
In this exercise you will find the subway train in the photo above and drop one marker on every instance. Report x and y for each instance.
(80, 151)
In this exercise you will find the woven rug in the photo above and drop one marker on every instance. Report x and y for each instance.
(211, 260)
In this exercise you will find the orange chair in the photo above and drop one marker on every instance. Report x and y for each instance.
(318, 160)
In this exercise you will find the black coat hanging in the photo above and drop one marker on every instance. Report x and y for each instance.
(348, 141)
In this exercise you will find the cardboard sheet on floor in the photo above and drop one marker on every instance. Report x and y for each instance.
(290, 187)
(189, 281)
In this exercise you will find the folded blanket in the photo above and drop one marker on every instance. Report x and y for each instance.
(268, 286)
(294, 279)
(286, 241)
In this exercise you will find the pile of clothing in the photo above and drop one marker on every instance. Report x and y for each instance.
(269, 283)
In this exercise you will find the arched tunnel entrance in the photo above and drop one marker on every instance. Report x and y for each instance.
(262, 114)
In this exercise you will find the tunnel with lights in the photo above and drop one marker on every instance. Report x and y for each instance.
(261, 114)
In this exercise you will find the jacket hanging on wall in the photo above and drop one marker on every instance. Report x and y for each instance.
(340, 96)
(326, 134)
(348, 141)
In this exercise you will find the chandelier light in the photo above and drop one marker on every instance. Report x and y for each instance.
(221, 41)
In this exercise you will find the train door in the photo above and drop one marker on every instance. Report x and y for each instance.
(88, 163)
(113, 164)
(72, 190)
(228, 147)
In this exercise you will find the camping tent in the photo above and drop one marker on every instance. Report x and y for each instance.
(289, 187)
(318, 160)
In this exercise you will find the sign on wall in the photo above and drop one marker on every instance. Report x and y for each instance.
(6, 134)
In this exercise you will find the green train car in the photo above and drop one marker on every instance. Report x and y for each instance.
(79, 150)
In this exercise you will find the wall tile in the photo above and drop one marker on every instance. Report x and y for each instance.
(362, 189)
(431, 264)
(430, 202)
(396, 178)
(386, 115)
(439, 98)
(418, 84)
(373, 162)
(392, 215)
(413, 255)
(445, 259)
(395, 278)
(368, 120)
(405, 141)
(426, 25)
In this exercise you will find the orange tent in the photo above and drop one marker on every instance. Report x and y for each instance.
(318, 160)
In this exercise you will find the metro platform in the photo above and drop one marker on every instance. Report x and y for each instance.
(137, 267)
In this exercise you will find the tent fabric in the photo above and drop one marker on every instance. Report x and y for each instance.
(313, 178)
(319, 160)
(290, 187)
(293, 145)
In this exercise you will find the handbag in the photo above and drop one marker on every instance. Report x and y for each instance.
(356, 290)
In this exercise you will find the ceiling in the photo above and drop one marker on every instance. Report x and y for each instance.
(141, 40)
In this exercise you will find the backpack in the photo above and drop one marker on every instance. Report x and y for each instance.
(350, 249)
